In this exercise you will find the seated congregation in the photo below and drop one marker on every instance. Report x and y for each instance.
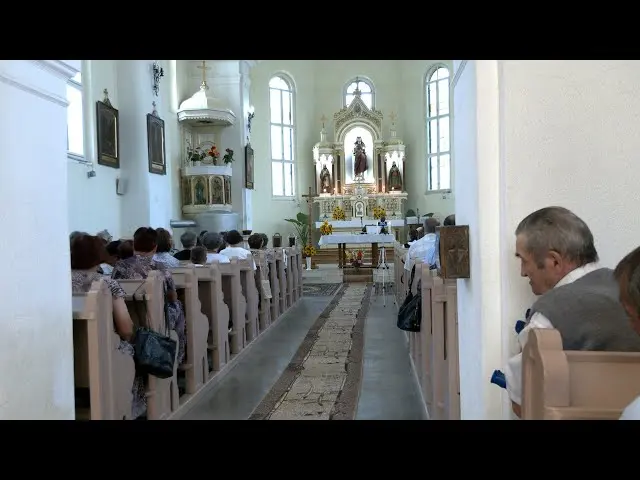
(154, 327)
(580, 355)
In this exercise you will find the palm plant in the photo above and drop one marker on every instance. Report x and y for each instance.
(301, 224)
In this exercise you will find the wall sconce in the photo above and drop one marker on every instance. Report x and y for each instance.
(252, 114)
(158, 73)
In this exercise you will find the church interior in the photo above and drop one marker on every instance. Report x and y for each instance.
(334, 168)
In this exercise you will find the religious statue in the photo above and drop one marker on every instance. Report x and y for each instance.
(395, 178)
(359, 157)
(325, 179)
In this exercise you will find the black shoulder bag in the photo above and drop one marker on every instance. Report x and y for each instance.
(155, 353)
(410, 313)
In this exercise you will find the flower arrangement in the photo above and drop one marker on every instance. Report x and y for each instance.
(214, 153)
(379, 212)
(326, 228)
(338, 214)
(195, 154)
(309, 250)
(355, 258)
(228, 156)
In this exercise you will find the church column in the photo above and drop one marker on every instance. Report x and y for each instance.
(478, 204)
(36, 344)
(231, 81)
(134, 101)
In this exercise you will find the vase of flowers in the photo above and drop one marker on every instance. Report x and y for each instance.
(228, 156)
(338, 214)
(326, 228)
(195, 155)
(355, 258)
(379, 212)
(307, 252)
(214, 154)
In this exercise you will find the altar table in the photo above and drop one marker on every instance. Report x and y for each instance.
(341, 239)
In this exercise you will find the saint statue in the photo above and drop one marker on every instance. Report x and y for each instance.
(359, 158)
(395, 178)
(325, 179)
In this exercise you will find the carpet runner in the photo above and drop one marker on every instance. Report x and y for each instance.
(322, 381)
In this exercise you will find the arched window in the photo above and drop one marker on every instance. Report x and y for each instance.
(75, 118)
(367, 92)
(438, 134)
(281, 105)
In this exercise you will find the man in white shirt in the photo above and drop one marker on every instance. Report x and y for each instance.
(234, 240)
(212, 241)
(424, 248)
(627, 274)
(576, 297)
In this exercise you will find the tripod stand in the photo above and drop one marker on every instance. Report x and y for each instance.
(382, 264)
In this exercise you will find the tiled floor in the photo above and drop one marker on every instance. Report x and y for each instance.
(389, 391)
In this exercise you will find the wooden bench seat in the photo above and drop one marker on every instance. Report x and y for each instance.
(575, 385)
(99, 365)
(145, 301)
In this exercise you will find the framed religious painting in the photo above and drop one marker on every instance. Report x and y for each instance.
(155, 144)
(108, 133)
(248, 167)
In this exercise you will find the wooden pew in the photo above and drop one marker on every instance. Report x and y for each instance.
(401, 280)
(233, 297)
(272, 265)
(282, 279)
(298, 267)
(217, 312)
(107, 372)
(575, 385)
(292, 271)
(162, 394)
(195, 364)
(434, 350)
(250, 293)
(264, 293)
(444, 340)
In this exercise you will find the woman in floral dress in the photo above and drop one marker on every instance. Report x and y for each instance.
(137, 267)
(87, 253)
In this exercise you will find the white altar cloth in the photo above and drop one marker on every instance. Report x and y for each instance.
(359, 224)
(337, 238)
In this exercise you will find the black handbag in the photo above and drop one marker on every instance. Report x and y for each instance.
(410, 313)
(154, 353)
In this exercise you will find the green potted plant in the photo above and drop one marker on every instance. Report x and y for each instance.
(301, 224)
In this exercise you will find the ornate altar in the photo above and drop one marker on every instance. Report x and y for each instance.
(359, 170)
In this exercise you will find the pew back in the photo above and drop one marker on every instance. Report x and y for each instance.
(99, 365)
(146, 303)
(575, 385)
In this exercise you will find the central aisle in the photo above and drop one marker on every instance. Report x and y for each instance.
(387, 388)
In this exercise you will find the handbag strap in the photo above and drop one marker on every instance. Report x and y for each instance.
(413, 274)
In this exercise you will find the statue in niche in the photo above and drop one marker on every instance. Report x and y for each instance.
(359, 158)
(217, 193)
(200, 198)
(395, 178)
(325, 179)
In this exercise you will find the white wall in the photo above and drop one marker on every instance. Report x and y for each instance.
(36, 345)
(547, 133)
(93, 202)
(400, 88)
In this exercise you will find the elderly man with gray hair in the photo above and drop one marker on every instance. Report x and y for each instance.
(188, 240)
(576, 296)
(425, 248)
(212, 241)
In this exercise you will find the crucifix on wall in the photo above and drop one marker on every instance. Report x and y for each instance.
(309, 197)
